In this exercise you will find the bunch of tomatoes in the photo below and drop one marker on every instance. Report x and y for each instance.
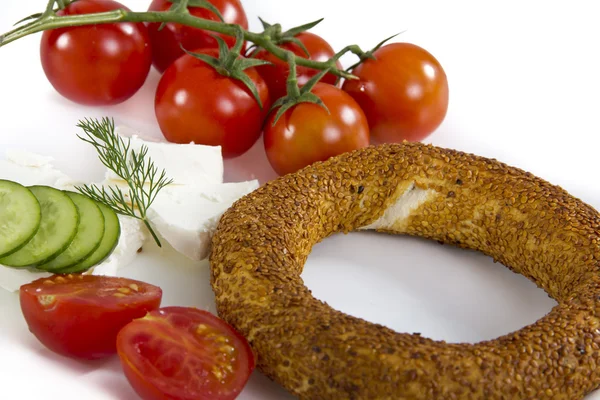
(401, 90)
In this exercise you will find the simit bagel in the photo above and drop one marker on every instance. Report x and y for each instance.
(534, 228)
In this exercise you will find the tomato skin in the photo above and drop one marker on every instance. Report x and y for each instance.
(87, 313)
(276, 75)
(194, 103)
(166, 42)
(306, 133)
(101, 64)
(404, 93)
(181, 353)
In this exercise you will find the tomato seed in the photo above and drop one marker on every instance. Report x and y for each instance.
(228, 349)
(217, 373)
(46, 300)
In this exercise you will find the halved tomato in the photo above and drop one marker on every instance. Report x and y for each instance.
(80, 315)
(181, 353)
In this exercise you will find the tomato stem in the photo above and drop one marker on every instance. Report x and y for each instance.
(296, 95)
(230, 63)
(49, 8)
(49, 20)
(181, 6)
(354, 49)
(292, 80)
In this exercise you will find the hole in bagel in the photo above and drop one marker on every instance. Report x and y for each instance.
(416, 285)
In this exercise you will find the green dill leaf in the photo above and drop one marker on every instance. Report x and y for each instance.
(143, 179)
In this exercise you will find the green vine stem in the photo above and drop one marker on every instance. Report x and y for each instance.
(180, 15)
(291, 84)
(296, 95)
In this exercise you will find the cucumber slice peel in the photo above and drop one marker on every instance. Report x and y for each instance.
(58, 227)
(112, 233)
(20, 216)
(89, 234)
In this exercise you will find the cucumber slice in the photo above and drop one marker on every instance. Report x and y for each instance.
(58, 227)
(89, 234)
(20, 216)
(112, 233)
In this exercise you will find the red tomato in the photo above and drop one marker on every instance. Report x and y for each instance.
(80, 315)
(194, 103)
(96, 64)
(404, 93)
(166, 42)
(276, 75)
(306, 133)
(180, 353)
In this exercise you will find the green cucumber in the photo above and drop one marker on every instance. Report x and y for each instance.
(89, 234)
(112, 233)
(20, 216)
(58, 227)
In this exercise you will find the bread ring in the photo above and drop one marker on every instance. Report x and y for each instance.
(316, 352)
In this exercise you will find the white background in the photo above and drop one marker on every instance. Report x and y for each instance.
(524, 88)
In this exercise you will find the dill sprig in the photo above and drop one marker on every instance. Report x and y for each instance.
(134, 167)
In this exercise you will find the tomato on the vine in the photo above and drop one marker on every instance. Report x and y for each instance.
(167, 42)
(307, 133)
(195, 103)
(184, 353)
(276, 74)
(100, 64)
(80, 316)
(404, 92)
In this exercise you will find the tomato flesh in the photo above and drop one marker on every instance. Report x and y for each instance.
(79, 316)
(167, 42)
(307, 133)
(181, 353)
(276, 75)
(404, 93)
(194, 103)
(101, 64)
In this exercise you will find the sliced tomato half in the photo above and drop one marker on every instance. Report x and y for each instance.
(181, 353)
(80, 316)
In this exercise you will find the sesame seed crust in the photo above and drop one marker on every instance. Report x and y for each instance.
(316, 352)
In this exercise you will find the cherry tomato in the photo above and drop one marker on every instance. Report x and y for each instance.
(180, 353)
(79, 316)
(306, 133)
(194, 103)
(276, 75)
(96, 64)
(166, 42)
(404, 93)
